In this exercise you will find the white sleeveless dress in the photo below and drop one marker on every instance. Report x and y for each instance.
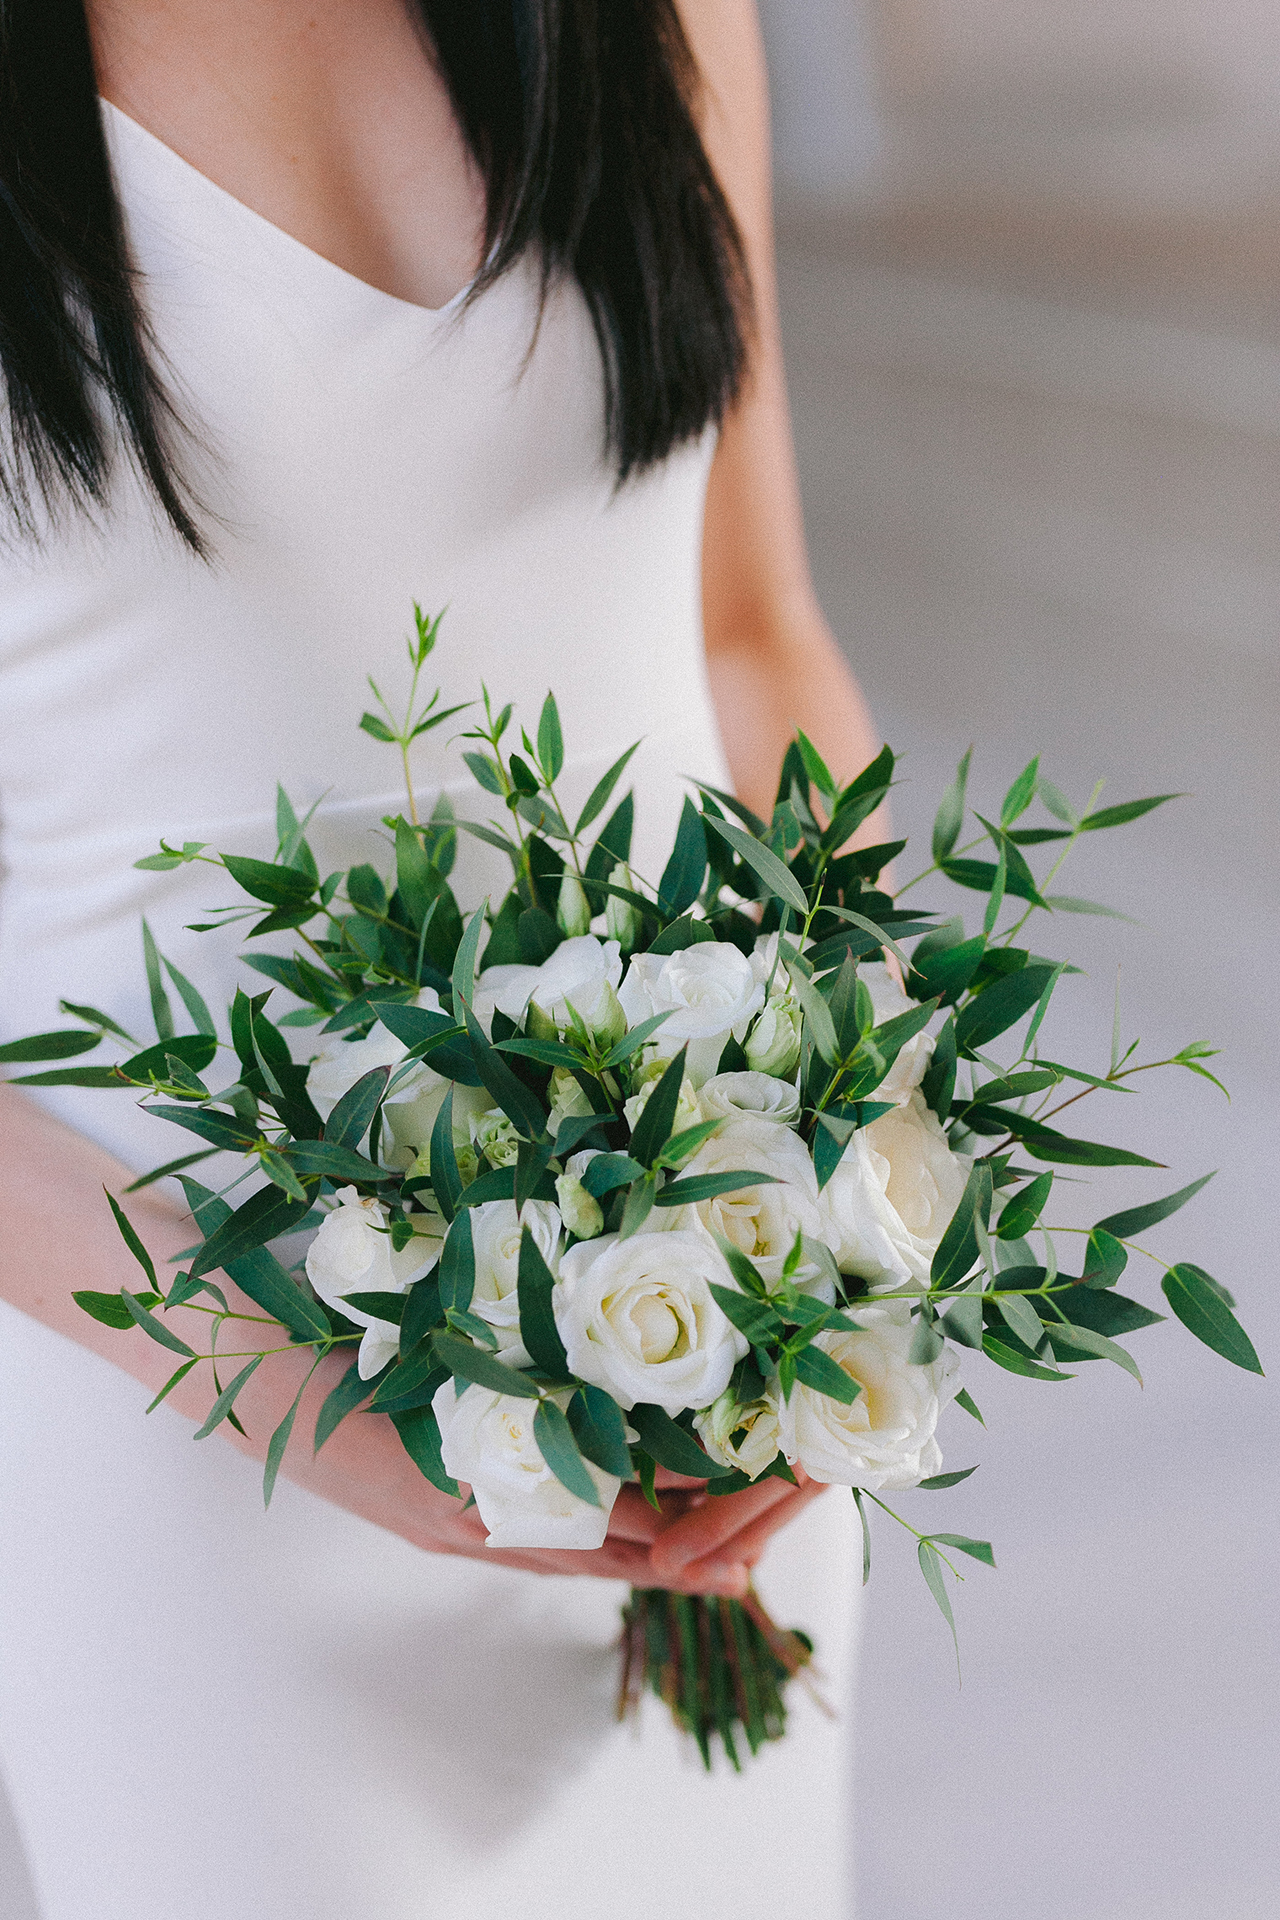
(208, 1713)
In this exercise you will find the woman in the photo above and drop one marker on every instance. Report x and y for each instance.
(443, 299)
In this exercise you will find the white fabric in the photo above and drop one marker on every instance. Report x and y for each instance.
(205, 1712)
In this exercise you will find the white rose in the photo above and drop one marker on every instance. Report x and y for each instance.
(493, 1135)
(568, 1099)
(773, 1044)
(885, 1440)
(911, 1065)
(731, 1096)
(888, 1203)
(578, 971)
(756, 1425)
(687, 1114)
(637, 1317)
(580, 1210)
(495, 1235)
(709, 991)
(765, 964)
(350, 1255)
(487, 1440)
(761, 1220)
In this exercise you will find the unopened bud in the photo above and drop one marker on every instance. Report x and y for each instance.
(580, 1211)
(621, 919)
(773, 1044)
(608, 1021)
(573, 909)
(538, 1024)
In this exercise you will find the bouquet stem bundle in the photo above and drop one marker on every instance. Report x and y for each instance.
(722, 1666)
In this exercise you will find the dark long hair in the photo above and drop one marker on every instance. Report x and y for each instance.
(580, 114)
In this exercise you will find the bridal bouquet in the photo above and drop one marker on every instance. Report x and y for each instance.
(700, 1169)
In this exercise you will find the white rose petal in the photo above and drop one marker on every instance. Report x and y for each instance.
(577, 972)
(351, 1255)
(886, 1439)
(887, 1205)
(487, 1440)
(732, 1096)
(757, 1427)
(638, 1318)
(496, 1232)
(709, 991)
(580, 1210)
(763, 1220)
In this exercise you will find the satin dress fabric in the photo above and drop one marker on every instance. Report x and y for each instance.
(207, 1711)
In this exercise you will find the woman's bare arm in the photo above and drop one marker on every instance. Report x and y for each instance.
(773, 662)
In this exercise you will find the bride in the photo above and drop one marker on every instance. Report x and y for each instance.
(307, 308)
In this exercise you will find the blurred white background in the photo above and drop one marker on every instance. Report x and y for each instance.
(1031, 300)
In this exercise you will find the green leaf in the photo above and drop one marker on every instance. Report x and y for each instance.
(1104, 1311)
(521, 1107)
(976, 1549)
(463, 979)
(416, 881)
(69, 1077)
(600, 1430)
(778, 878)
(1020, 794)
(49, 1046)
(378, 729)
(1105, 1259)
(1019, 1314)
(931, 1568)
(155, 1328)
(608, 1171)
(1196, 1299)
(1128, 810)
(268, 1284)
(999, 885)
(222, 1129)
(866, 1535)
(422, 1313)
(950, 815)
(458, 1265)
(559, 1449)
(958, 1249)
(598, 799)
(133, 1243)
(195, 1050)
(752, 1317)
(817, 1016)
(383, 1306)
(938, 1085)
(226, 1399)
(481, 1369)
(671, 1446)
(419, 1432)
(965, 1399)
(277, 886)
(350, 1392)
(1068, 1342)
(277, 1444)
(682, 877)
(1001, 1005)
(816, 767)
(262, 1217)
(1069, 903)
(201, 1017)
(1135, 1220)
(535, 1288)
(639, 1205)
(96, 1019)
(706, 1186)
(110, 1309)
(446, 1180)
(161, 1011)
(935, 1484)
(980, 876)
(179, 1373)
(926, 1342)
(550, 753)
(1021, 1213)
(349, 1121)
(1057, 803)
(653, 1128)
(820, 1372)
(632, 1041)
(1059, 1149)
(1014, 1361)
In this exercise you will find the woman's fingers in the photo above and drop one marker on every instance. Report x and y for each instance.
(746, 1546)
(706, 1531)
